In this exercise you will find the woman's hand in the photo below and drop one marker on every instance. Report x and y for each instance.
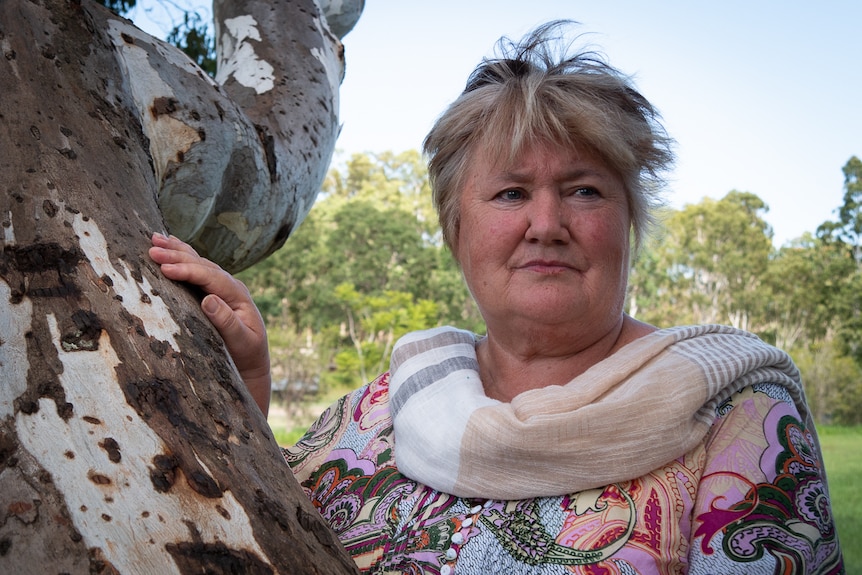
(228, 306)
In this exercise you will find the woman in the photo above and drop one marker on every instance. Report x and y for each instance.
(571, 437)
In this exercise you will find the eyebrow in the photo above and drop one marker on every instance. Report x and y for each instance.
(575, 174)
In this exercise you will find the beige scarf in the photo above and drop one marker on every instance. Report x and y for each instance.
(649, 403)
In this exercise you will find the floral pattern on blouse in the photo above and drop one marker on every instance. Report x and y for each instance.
(750, 498)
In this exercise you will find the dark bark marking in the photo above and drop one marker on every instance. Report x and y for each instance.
(48, 270)
(203, 484)
(216, 559)
(50, 208)
(21, 508)
(5, 546)
(92, 420)
(83, 334)
(158, 397)
(68, 152)
(8, 447)
(99, 565)
(163, 105)
(28, 402)
(268, 142)
(27, 407)
(41, 257)
(98, 478)
(163, 474)
(112, 448)
(160, 348)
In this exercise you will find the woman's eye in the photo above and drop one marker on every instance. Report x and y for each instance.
(511, 195)
(586, 192)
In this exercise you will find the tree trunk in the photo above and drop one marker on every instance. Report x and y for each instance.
(128, 444)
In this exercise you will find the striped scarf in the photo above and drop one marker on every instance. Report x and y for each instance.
(647, 404)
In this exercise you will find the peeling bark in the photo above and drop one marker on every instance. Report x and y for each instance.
(239, 163)
(128, 443)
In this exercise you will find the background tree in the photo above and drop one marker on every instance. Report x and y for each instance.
(845, 234)
(363, 269)
(127, 442)
(707, 262)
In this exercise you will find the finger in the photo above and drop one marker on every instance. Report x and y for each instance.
(239, 337)
(198, 271)
(163, 256)
(222, 317)
(172, 243)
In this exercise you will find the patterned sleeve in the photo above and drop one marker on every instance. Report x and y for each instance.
(314, 447)
(762, 504)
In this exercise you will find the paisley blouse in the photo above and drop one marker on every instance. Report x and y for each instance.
(750, 498)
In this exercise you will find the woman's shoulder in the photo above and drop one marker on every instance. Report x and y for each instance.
(354, 420)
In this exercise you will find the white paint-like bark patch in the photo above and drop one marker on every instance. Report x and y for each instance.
(167, 135)
(334, 67)
(6, 47)
(113, 504)
(237, 223)
(9, 231)
(15, 320)
(153, 313)
(240, 59)
(173, 55)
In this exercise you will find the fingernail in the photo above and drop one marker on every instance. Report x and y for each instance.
(209, 305)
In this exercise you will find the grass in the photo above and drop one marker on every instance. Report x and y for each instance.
(842, 455)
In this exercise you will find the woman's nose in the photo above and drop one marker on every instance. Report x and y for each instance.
(547, 220)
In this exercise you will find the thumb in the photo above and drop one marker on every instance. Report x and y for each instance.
(221, 316)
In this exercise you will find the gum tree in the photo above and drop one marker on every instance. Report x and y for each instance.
(128, 444)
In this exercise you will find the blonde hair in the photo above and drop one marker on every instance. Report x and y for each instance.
(528, 95)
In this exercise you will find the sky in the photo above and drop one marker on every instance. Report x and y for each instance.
(762, 96)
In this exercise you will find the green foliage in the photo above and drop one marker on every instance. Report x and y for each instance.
(707, 264)
(832, 382)
(119, 6)
(714, 262)
(192, 36)
(845, 235)
(374, 324)
(364, 268)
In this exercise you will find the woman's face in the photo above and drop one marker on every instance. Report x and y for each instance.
(545, 240)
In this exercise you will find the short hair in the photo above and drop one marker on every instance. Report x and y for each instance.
(526, 96)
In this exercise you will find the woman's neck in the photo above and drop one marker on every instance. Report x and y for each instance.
(525, 361)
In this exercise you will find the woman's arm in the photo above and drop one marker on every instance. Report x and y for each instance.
(229, 307)
(762, 501)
